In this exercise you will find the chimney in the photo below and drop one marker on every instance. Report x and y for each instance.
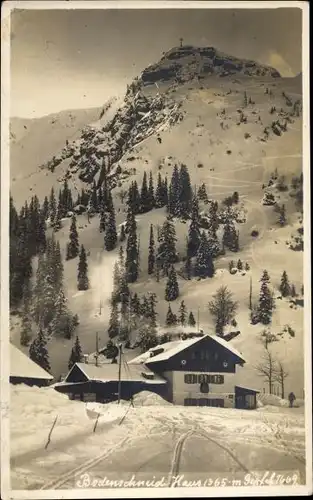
(86, 359)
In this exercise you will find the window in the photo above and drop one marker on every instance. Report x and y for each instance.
(203, 377)
(190, 378)
(187, 401)
(217, 379)
(204, 387)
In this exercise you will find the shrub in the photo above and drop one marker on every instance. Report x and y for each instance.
(239, 265)
(233, 322)
(228, 201)
(254, 316)
(254, 233)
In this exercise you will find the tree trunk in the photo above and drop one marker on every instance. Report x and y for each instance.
(282, 388)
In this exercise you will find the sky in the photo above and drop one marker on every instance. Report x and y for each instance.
(68, 59)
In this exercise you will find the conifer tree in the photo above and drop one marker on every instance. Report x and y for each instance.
(182, 312)
(239, 265)
(113, 329)
(282, 216)
(191, 320)
(166, 253)
(133, 200)
(204, 267)
(41, 234)
(165, 193)
(144, 196)
(230, 237)
(135, 304)
(151, 256)
(117, 276)
(130, 225)
(132, 254)
(285, 288)
(122, 233)
(159, 193)
(124, 297)
(188, 263)
(58, 266)
(73, 245)
(172, 289)
(20, 263)
(102, 221)
(82, 276)
(52, 205)
(213, 243)
(76, 354)
(138, 255)
(38, 351)
(185, 192)
(152, 311)
(151, 200)
(213, 215)
(93, 201)
(62, 320)
(265, 301)
(57, 222)
(194, 230)
(45, 208)
(67, 200)
(110, 236)
(174, 192)
(170, 317)
(26, 325)
(202, 194)
(100, 199)
(109, 201)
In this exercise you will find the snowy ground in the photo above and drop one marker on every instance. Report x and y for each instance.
(154, 439)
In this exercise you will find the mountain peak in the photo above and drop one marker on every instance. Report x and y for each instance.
(186, 62)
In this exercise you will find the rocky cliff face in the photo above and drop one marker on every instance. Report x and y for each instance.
(185, 63)
(138, 118)
(141, 115)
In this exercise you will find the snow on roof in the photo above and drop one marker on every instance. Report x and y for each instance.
(109, 372)
(22, 366)
(247, 388)
(227, 345)
(174, 347)
(170, 348)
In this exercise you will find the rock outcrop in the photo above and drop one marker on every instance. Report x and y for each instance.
(185, 63)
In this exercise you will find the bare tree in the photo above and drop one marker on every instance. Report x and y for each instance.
(223, 308)
(280, 377)
(267, 367)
